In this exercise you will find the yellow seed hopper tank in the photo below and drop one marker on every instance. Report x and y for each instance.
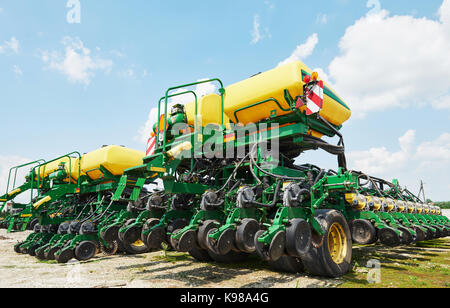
(209, 107)
(271, 85)
(115, 159)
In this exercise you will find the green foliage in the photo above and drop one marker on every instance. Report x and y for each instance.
(443, 205)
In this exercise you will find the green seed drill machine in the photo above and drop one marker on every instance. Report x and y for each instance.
(233, 185)
(74, 195)
(17, 219)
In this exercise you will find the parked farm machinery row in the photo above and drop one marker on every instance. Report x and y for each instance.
(234, 184)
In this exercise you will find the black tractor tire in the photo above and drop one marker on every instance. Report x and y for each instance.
(363, 232)
(32, 223)
(85, 250)
(148, 225)
(333, 257)
(389, 237)
(136, 248)
(175, 226)
(65, 256)
(202, 233)
(40, 253)
(288, 264)
(298, 238)
(407, 237)
(420, 234)
(261, 249)
(32, 250)
(50, 255)
(111, 250)
(17, 247)
(245, 235)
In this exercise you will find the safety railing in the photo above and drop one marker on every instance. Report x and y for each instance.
(41, 168)
(166, 101)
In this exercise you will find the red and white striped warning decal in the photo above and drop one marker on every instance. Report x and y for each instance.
(314, 99)
(151, 146)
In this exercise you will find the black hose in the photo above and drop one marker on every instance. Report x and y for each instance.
(269, 173)
(275, 198)
(233, 173)
(319, 176)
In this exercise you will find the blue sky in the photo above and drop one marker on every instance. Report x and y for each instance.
(76, 86)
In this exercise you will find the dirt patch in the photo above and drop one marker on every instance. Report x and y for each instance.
(152, 270)
(175, 270)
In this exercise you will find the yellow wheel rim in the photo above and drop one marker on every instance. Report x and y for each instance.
(138, 243)
(337, 243)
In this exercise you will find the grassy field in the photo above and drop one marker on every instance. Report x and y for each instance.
(422, 265)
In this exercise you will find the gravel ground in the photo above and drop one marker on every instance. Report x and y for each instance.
(153, 270)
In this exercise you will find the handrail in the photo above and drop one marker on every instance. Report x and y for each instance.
(221, 91)
(45, 164)
(165, 115)
(16, 168)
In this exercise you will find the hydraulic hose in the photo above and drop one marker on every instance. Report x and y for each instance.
(275, 198)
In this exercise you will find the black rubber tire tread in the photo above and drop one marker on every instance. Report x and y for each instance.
(298, 243)
(261, 249)
(277, 247)
(174, 225)
(148, 225)
(85, 250)
(389, 237)
(122, 235)
(203, 230)
(32, 250)
(32, 223)
(112, 250)
(245, 235)
(288, 264)
(135, 250)
(50, 255)
(40, 253)
(407, 237)
(17, 247)
(318, 260)
(420, 234)
(370, 232)
(65, 256)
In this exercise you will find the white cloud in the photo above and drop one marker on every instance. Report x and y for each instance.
(200, 90)
(442, 102)
(393, 61)
(17, 70)
(428, 161)
(1, 10)
(77, 63)
(303, 50)
(256, 32)
(321, 19)
(11, 45)
(269, 5)
(377, 161)
(434, 153)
